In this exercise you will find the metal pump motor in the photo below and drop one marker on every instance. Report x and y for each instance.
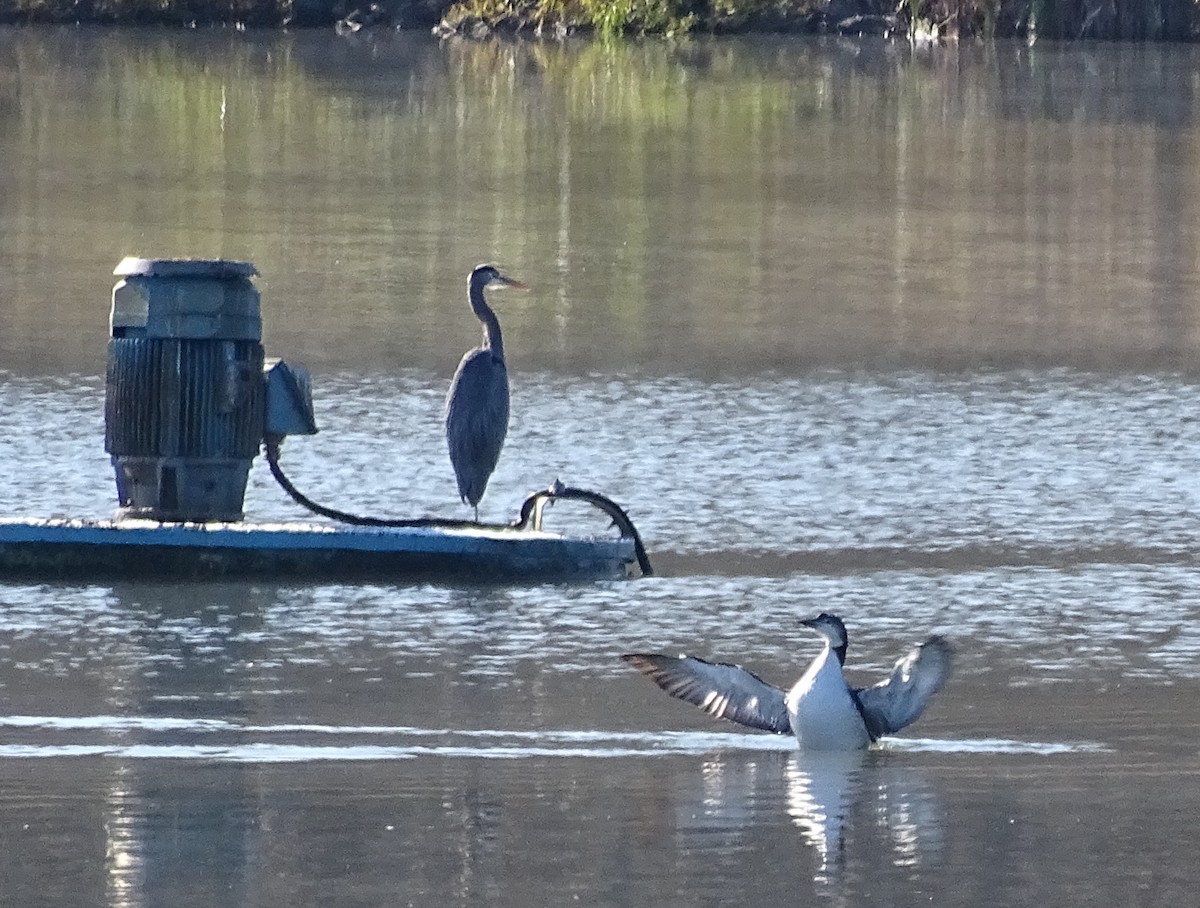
(187, 402)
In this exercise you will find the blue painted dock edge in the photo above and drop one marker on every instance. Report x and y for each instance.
(70, 549)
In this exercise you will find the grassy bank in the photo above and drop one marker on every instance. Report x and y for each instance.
(1171, 20)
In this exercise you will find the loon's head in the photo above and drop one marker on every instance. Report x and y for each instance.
(832, 630)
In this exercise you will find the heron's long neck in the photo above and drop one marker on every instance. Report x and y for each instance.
(493, 338)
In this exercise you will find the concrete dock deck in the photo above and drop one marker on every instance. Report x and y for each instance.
(75, 549)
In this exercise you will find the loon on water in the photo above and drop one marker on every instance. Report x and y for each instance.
(821, 709)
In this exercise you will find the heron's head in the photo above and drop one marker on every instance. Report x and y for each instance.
(488, 277)
(830, 627)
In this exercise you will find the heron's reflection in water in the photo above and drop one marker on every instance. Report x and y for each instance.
(832, 797)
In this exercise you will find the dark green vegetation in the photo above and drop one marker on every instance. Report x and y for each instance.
(1177, 20)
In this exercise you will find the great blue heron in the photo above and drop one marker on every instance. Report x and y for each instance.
(477, 405)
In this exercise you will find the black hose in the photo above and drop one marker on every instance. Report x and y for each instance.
(531, 507)
(531, 511)
(272, 450)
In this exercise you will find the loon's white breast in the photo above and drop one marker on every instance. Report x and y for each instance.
(822, 710)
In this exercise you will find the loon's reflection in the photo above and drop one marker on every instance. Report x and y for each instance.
(874, 804)
(831, 797)
(821, 789)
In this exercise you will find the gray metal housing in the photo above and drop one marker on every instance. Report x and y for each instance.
(184, 399)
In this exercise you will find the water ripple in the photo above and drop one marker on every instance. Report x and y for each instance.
(493, 744)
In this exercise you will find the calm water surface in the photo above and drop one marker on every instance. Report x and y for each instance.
(912, 338)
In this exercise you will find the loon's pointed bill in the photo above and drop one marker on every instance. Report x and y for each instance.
(820, 709)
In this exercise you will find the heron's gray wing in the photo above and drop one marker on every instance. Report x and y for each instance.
(900, 698)
(723, 690)
(477, 420)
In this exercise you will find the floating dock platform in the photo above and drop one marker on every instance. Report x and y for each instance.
(190, 401)
(67, 549)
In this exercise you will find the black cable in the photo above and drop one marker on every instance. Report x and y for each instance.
(272, 449)
(531, 510)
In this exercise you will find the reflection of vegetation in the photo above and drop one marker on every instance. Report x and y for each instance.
(174, 12)
(664, 197)
(1120, 19)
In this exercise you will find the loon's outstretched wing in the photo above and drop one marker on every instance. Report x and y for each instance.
(899, 699)
(723, 690)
